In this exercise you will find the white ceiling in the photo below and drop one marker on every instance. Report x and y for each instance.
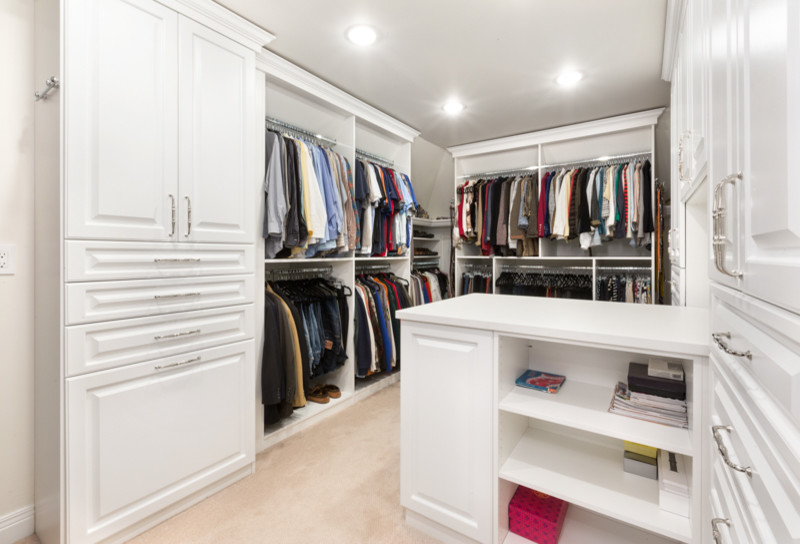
(499, 57)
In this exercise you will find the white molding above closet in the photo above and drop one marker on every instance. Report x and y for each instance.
(580, 130)
(672, 30)
(223, 21)
(281, 68)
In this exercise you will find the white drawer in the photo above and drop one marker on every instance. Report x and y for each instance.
(770, 335)
(769, 493)
(104, 301)
(99, 260)
(145, 436)
(728, 512)
(99, 346)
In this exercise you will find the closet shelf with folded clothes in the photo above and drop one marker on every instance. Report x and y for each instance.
(583, 193)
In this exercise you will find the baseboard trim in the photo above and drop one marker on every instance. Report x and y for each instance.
(17, 525)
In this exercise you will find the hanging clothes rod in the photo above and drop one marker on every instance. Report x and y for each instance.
(368, 267)
(375, 158)
(624, 269)
(500, 173)
(478, 266)
(288, 127)
(299, 273)
(544, 267)
(599, 161)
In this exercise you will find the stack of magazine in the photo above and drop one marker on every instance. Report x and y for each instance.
(652, 397)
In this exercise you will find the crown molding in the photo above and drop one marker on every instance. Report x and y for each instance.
(223, 21)
(672, 31)
(280, 68)
(568, 132)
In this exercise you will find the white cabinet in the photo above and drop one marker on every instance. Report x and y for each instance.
(771, 134)
(121, 148)
(148, 434)
(447, 412)
(148, 158)
(217, 94)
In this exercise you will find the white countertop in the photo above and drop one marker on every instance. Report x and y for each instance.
(639, 326)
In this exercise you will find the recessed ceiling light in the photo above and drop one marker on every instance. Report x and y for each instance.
(568, 79)
(453, 107)
(362, 35)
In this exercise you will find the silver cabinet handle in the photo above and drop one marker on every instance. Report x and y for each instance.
(173, 260)
(715, 532)
(685, 135)
(176, 335)
(181, 363)
(188, 216)
(723, 451)
(718, 215)
(174, 215)
(718, 340)
(177, 295)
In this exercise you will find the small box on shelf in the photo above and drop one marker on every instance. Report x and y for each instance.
(536, 516)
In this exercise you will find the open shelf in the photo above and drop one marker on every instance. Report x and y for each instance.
(590, 475)
(585, 406)
(372, 379)
(315, 260)
(310, 410)
(420, 222)
(392, 258)
(582, 526)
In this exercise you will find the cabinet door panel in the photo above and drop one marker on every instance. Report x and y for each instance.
(121, 119)
(216, 127)
(146, 436)
(772, 228)
(446, 472)
(725, 75)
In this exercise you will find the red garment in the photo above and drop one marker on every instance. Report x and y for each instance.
(542, 205)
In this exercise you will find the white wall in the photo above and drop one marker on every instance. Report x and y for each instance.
(16, 292)
(432, 176)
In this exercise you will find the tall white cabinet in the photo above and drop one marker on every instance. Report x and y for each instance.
(748, 105)
(145, 261)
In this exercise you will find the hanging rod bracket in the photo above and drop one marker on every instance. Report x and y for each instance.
(50, 84)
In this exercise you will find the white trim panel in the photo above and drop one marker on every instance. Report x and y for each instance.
(569, 132)
(672, 30)
(16, 525)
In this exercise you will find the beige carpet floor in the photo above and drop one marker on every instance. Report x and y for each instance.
(335, 483)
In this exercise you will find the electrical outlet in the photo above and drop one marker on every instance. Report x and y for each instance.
(8, 263)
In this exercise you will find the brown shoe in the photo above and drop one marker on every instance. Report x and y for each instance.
(319, 395)
(332, 391)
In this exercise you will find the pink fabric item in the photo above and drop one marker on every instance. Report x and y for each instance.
(536, 516)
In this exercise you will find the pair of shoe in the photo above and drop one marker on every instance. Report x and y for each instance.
(322, 394)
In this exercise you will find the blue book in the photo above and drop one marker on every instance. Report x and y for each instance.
(541, 381)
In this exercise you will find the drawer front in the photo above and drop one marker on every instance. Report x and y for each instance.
(145, 436)
(100, 346)
(757, 437)
(105, 301)
(95, 261)
(770, 336)
(728, 512)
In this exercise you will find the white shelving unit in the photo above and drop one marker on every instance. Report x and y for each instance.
(567, 444)
(295, 96)
(622, 135)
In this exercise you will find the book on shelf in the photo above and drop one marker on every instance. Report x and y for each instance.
(641, 465)
(641, 449)
(673, 484)
(624, 404)
(541, 381)
(641, 382)
(661, 368)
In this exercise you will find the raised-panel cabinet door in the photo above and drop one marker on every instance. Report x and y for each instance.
(217, 190)
(725, 188)
(772, 207)
(121, 120)
(145, 436)
(446, 403)
(698, 51)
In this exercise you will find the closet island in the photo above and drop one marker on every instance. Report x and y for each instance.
(470, 437)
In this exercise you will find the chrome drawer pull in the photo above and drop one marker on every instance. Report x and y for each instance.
(719, 236)
(184, 260)
(188, 216)
(714, 532)
(724, 451)
(174, 215)
(177, 295)
(718, 336)
(181, 363)
(176, 335)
